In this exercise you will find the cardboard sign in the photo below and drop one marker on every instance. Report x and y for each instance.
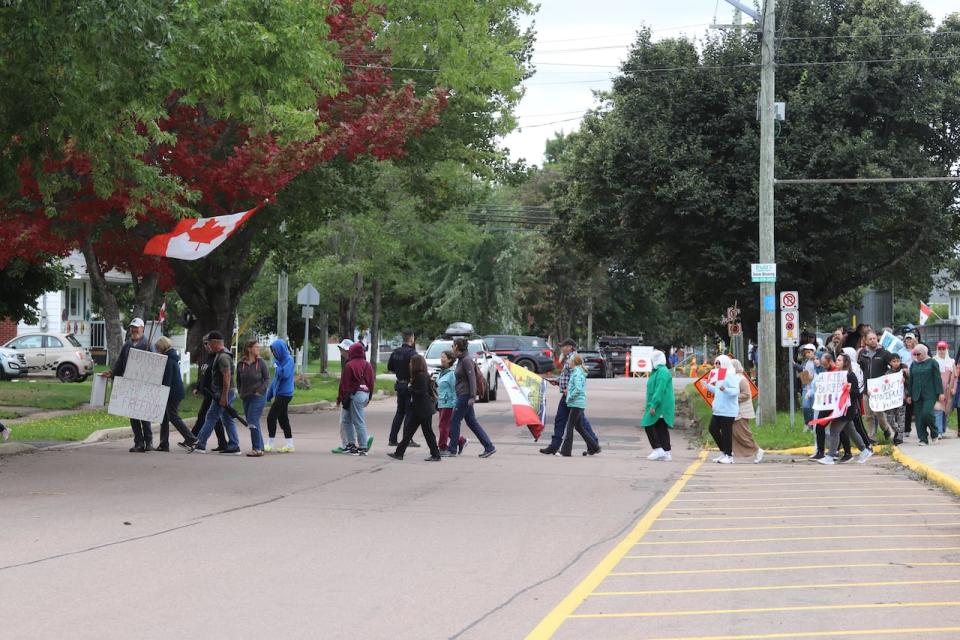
(138, 400)
(886, 392)
(701, 386)
(827, 389)
(145, 366)
(641, 359)
(893, 344)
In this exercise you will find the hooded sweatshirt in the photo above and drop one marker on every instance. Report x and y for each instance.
(282, 384)
(660, 395)
(726, 401)
(357, 374)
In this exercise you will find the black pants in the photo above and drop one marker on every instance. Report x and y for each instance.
(142, 435)
(172, 414)
(278, 411)
(908, 418)
(217, 428)
(862, 431)
(410, 428)
(822, 441)
(721, 428)
(404, 415)
(575, 423)
(659, 435)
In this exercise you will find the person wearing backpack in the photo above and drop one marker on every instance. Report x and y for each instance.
(423, 396)
(466, 376)
(224, 388)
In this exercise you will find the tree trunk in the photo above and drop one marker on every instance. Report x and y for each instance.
(145, 293)
(106, 299)
(375, 324)
(324, 339)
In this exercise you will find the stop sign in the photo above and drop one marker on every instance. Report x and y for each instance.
(641, 363)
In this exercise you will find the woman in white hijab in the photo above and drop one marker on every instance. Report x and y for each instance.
(658, 415)
(724, 384)
(743, 443)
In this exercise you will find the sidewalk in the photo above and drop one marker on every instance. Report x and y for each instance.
(943, 457)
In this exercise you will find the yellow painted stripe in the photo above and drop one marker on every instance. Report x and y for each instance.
(792, 492)
(848, 633)
(815, 515)
(779, 587)
(884, 536)
(831, 497)
(720, 612)
(945, 503)
(946, 481)
(770, 527)
(552, 621)
(884, 482)
(803, 552)
(802, 567)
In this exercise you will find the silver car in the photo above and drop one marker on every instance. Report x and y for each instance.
(479, 352)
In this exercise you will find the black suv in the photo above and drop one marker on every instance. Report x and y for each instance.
(616, 349)
(530, 352)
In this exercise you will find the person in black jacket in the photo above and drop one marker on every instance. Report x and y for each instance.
(399, 364)
(874, 360)
(422, 407)
(844, 424)
(172, 379)
(204, 369)
(142, 435)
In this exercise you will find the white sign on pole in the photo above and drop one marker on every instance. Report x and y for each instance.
(138, 400)
(306, 312)
(886, 392)
(827, 389)
(641, 359)
(789, 329)
(763, 272)
(789, 300)
(308, 296)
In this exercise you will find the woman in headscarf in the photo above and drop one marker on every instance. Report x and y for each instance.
(926, 388)
(844, 423)
(743, 443)
(658, 415)
(724, 384)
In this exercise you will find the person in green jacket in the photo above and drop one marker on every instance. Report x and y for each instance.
(658, 415)
(926, 389)
(577, 402)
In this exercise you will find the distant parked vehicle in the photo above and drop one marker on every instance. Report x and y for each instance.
(477, 349)
(12, 364)
(53, 354)
(529, 352)
(616, 349)
(597, 365)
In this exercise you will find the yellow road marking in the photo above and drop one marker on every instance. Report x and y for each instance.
(803, 552)
(803, 506)
(822, 634)
(716, 612)
(770, 527)
(791, 484)
(552, 621)
(779, 491)
(830, 497)
(802, 567)
(815, 515)
(885, 536)
(779, 587)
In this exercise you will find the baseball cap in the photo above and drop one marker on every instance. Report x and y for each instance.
(943, 345)
(214, 335)
(345, 344)
(568, 343)
(136, 322)
(808, 346)
(909, 335)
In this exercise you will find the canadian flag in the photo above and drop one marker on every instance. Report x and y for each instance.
(843, 403)
(925, 313)
(163, 312)
(195, 238)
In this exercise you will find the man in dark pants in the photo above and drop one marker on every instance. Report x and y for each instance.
(399, 364)
(569, 348)
(142, 435)
(203, 382)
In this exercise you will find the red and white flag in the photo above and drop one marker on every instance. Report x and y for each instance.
(163, 312)
(195, 238)
(925, 313)
(839, 410)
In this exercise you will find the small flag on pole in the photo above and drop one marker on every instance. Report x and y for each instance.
(925, 313)
(163, 312)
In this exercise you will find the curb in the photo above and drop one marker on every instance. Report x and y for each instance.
(16, 448)
(938, 478)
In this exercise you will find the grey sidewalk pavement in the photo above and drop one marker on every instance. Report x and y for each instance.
(944, 456)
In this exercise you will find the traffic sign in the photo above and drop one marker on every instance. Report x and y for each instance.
(789, 332)
(308, 296)
(789, 300)
(763, 272)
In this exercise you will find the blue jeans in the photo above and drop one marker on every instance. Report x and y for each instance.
(214, 414)
(941, 418)
(464, 410)
(253, 409)
(358, 425)
(347, 434)
(560, 424)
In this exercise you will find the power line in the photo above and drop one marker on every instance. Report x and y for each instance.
(547, 124)
(890, 34)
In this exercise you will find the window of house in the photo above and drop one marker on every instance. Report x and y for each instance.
(74, 302)
(955, 304)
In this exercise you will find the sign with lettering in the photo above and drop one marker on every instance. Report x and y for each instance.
(145, 366)
(827, 389)
(138, 400)
(886, 392)
(641, 359)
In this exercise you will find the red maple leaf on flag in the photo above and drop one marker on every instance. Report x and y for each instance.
(206, 234)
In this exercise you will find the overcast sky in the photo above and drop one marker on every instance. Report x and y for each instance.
(571, 33)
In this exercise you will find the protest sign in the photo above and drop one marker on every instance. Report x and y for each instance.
(827, 389)
(145, 366)
(893, 344)
(138, 400)
(886, 392)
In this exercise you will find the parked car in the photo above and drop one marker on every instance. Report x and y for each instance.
(530, 352)
(12, 364)
(597, 365)
(477, 348)
(53, 354)
(616, 349)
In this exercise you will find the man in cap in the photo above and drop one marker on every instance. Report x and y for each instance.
(874, 360)
(569, 349)
(142, 435)
(224, 388)
(204, 370)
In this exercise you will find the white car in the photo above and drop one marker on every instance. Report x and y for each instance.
(52, 354)
(479, 352)
(12, 364)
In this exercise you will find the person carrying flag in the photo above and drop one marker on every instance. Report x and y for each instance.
(849, 409)
(724, 384)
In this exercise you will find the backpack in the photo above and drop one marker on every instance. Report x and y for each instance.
(481, 379)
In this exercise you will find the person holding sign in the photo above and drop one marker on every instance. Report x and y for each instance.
(848, 410)
(142, 435)
(874, 361)
(926, 388)
(895, 416)
(724, 384)
(658, 415)
(171, 378)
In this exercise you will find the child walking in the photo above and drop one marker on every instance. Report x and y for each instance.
(577, 402)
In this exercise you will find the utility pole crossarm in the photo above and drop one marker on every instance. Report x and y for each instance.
(744, 8)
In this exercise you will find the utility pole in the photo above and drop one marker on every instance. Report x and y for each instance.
(282, 296)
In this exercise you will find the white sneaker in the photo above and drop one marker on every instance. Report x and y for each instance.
(720, 457)
(656, 454)
(5, 434)
(826, 460)
(666, 457)
(864, 456)
(757, 459)
(726, 459)
(921, 444)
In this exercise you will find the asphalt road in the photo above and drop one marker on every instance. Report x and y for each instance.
(99, 543)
